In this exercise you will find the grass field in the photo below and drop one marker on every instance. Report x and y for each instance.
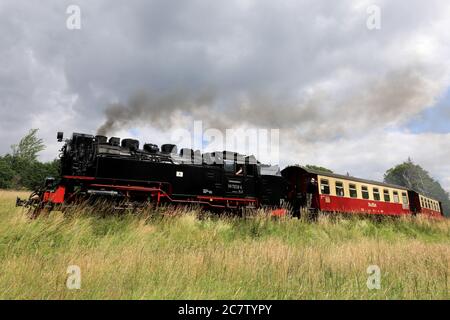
(154, 256)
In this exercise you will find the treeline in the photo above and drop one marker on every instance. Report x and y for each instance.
(413, 176)
(21, 169)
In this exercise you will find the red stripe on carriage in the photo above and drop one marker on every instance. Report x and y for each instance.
(352, 205)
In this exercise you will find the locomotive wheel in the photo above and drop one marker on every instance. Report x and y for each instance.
(34, 212)
(39, 210)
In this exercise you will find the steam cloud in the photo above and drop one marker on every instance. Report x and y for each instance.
(155, 109)
(316, 115)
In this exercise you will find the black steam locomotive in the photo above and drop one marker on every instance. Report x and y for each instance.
(96, 168)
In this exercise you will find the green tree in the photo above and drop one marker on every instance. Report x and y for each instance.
(6, 173)
(413, 176)
(318, 168)
(33, 175)
(29, 146)
(21, 169)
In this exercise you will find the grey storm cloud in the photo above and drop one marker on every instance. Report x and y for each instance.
(309, 67)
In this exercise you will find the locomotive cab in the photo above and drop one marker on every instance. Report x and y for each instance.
(239, 178)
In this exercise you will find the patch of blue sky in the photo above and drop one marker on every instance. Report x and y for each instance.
(134, 132)
(433, 120)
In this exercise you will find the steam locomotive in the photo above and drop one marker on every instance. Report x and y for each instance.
(95, 168)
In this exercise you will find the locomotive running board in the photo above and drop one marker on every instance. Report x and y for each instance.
(204, 200)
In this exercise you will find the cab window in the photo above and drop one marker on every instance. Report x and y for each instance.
(339, 189)
(229, 166)
(324, 186)
(365, 192)
(251, 170)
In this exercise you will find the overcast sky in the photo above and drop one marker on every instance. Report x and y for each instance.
(343, 96)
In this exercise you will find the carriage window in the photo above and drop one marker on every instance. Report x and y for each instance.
(396, 198)
(404, 198)
(387, 196)
(353, 191)
(376, 194)
(365, 192)
(421, 202)
(339, 189)
(324, 186)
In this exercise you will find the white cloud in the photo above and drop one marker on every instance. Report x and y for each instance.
(372, 154)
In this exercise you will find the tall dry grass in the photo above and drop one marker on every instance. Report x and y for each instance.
(177, 255)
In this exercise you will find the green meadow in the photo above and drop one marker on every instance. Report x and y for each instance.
(184, 254)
